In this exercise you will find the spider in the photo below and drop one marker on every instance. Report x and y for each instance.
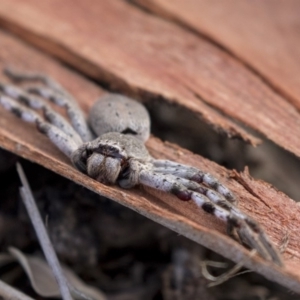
(109, 147)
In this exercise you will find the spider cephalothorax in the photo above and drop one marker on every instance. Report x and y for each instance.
(110, 148)
(108, 158)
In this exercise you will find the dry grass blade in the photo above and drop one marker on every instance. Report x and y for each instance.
(262, 202)
(8, 292)
(225, 276)
(44, 283)
(42, 234)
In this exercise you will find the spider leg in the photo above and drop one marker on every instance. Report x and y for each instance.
(253, 239)
(215, 204)
(18, 76)
(212, 195)
(59, 96)
(56, 135)
(33, 102)
(245, 232)
(193, 174)
(264, 239)
(221, 201)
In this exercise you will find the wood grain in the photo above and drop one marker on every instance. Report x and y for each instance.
(263, 34)
(271, 208)
(141, 54)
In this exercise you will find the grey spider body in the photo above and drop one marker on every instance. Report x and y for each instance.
(122, 126)
(118, 155)
(117, 113)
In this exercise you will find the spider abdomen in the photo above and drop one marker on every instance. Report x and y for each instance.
(118, 113)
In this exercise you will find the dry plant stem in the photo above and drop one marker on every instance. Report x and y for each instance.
(43, 237)
(7, 292)
(217, 280)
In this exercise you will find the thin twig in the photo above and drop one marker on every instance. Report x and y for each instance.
(42, 235)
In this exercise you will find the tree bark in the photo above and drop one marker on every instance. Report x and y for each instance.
(145, 56)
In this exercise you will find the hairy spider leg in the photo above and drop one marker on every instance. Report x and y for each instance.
(193, 174)
(265, 240)
(56, 94)
(221, 201)
(36, 103)
(56, 135)
(211, 202)
(18, 76)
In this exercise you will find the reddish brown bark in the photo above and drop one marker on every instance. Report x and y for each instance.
(263, 34)
(273, 210)
(115, 42)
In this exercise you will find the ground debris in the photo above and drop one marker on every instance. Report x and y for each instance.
(113, 248)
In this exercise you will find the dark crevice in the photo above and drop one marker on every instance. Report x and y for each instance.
(267, 161)
(222, 113)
